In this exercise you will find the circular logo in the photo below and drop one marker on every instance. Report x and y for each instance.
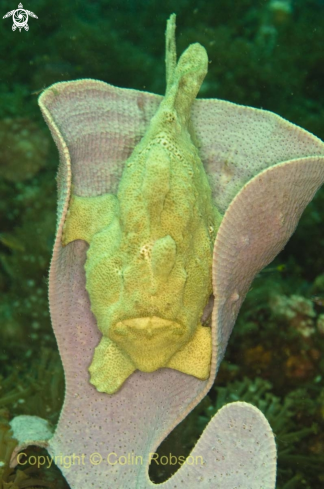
(20, 18)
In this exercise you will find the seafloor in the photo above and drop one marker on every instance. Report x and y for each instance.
(266, 54)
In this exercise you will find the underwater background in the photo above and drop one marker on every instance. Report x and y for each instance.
(266, 54)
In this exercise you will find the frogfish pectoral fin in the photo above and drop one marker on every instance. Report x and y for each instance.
(194, 357)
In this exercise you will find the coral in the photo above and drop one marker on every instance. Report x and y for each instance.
(258, 356)
(7, 444)
(297, 311)
(287, 418)
(295, 419)
(24, 149)
(299, 367)
(26, 236)
(281, 10)
(318, 285)
(39, 389)
(320, 324)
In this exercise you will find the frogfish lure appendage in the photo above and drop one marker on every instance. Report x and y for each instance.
(149, 261)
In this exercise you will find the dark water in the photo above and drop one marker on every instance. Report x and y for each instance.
(264, 54)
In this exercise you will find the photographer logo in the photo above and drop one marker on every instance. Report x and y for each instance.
(20, 18)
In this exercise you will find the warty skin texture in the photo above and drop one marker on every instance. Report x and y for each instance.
(149, 263)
